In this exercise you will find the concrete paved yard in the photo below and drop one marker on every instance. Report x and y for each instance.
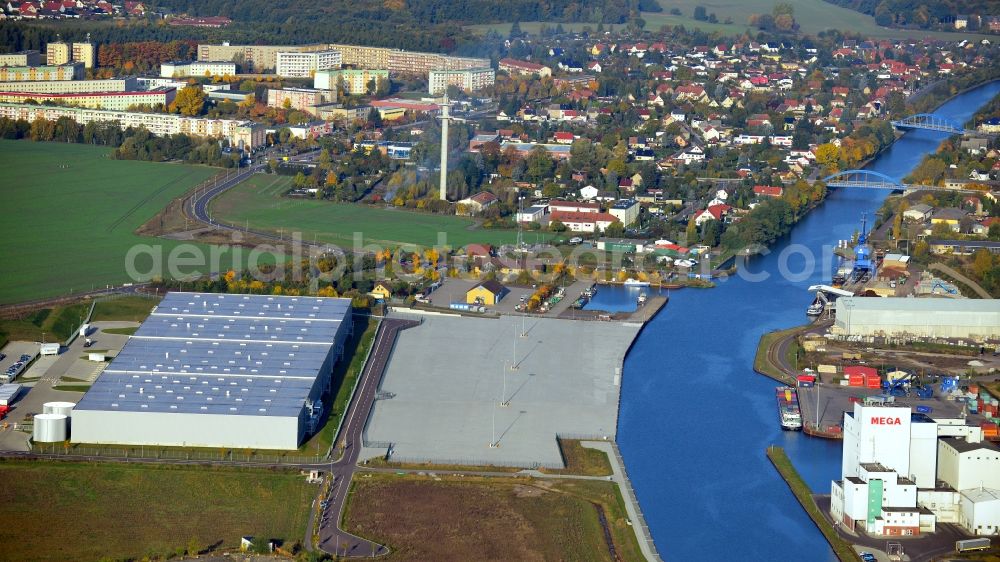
(833, 401)
(49, 371)
(445, 382)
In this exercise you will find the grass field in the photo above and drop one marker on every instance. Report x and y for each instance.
(69, 214)
(133, 309)
(119, 332)
(472, 518)
(259, 203)
(582, 460)
(55, 324)
(118, 511)
(813, 16)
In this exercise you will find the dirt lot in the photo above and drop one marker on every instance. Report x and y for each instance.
(468, 518)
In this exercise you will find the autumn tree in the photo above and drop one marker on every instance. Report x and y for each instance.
(540, 164)
(828, 154)
(982, 262)
(897, 221)
(190, 101)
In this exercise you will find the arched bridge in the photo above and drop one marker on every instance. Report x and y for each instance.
(868, 179)
(863, 178)
(931, 122)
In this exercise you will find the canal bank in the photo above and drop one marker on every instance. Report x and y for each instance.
(690, 413)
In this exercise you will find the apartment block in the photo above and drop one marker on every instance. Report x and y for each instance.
(337, 112)
(85, 53)
(305, 65)
(58, 53)
(70, 71)
(183, 69)
(114, 101)
(355, 80)
(73, 86)
(155, 123)
(303, 99)
(253, 57)
(470, 80)
(23, 58)
(261, 57)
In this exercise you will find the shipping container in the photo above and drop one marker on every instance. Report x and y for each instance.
(969, 545)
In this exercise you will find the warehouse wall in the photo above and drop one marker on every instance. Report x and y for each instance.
(937, 323)
(181, 429)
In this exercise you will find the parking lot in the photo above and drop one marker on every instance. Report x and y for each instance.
(14, 353)
(453, 290)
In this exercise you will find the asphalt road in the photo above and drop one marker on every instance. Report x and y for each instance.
(197, 206)
(331, 538)
(778, 351)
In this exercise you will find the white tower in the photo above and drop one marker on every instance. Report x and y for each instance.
(445, 117)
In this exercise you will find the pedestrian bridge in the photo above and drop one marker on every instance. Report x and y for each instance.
(931, 122)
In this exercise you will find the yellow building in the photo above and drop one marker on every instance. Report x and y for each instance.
(487, 293)
(113, 101)
(85, 53)
(57, 53)
(382, 291)
(391, 113)
(949, 216)
(70, 71)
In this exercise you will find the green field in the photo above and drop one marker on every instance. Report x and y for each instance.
(132, 309)
(69, 214)
(813, 16)
(53, 324)
(258, 202)
(79, 511)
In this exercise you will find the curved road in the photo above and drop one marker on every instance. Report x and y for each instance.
(778, 350)
(197, 204)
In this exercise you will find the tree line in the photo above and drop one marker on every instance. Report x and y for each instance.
(923, 14)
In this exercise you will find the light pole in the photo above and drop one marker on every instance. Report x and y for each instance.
(503, 397)
(493, 435)
(513, 363)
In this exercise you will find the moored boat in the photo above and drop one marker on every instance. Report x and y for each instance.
(789, 414)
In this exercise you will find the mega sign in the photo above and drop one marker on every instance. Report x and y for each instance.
(881, 420)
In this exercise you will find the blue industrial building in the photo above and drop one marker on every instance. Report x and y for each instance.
(219, 370)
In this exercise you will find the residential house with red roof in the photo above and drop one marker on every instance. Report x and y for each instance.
(716, 212)
(584, 222)
(768, 191)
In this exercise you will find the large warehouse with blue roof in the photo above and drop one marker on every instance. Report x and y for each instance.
(219, 370)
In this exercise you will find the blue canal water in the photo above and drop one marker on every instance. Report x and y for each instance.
(695, 418)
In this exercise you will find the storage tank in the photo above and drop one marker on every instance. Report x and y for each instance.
(64, 408)
(50, 428)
